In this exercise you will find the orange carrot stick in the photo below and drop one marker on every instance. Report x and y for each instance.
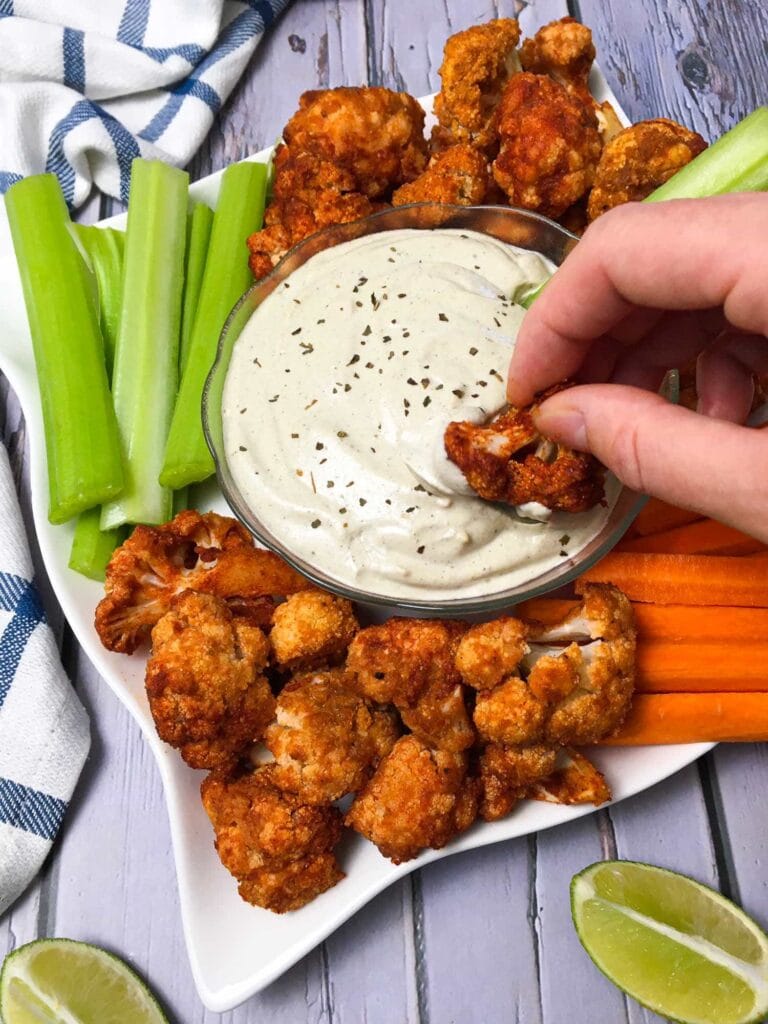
(705, 537)
(684, 579)
(694, 718)
(699, 668)
(657, 516)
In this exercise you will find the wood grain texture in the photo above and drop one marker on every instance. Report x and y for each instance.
(484, 937)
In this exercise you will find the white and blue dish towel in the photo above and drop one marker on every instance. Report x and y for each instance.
(44, 733)
(87, 85)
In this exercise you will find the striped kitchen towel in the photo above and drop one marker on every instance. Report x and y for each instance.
(87, 85)
(44, 733)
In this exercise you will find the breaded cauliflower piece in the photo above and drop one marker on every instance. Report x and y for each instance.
(204, 683)
(417, 798)
(508, 460)
(207, 553)
(326, 739)
(510, 713)
(278, 848)
(638, 160)
(477, 64)
(506, 773)
(491, 651)
(411, 663)
(550, 145)
(563, 50)
(375, 134)
(573, 780)
(312, 628)
(459, 175)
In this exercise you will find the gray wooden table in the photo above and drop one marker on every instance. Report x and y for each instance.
(480, 938)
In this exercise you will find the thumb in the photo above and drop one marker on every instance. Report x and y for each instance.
(711, 466)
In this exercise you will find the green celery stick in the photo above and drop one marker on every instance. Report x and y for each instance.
(199, 225)
(81, 436)
(239, 212)
(105, 248)
(737, 162)
(145, 375)
(92, 547)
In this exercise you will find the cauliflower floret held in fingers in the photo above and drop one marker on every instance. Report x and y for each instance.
(411, 663)
(507, 771)
(491, 651)
(312, 628)
(459, 175)
(207, 553)
(549, 145)
(204, 681)
(326, 739)
(418, 798)
(508, 460)
(638, 160)
(477, 64)
(279, 848)
(572, 780)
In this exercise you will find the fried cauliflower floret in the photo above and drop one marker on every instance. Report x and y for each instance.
(508, 460)
(326, 739)
(573, 780)
(563, 50)
(638, 160)
(510, 713)
(312, 628)
(207, 553)
(411, 663)
(549, 145)
(459, 175)
(477, 63)
(603, 613)
(375, 134)
(278, 848)
(491, 651)
(506, 773)
(417, 798)
(204, 683)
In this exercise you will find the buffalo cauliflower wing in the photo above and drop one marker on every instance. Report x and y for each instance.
(563, 50)
(508, 460)
(459, 175)
(204, 683)
(477, 63)
(208, 553)
(506, 773)
(510, 713)
(573, 780)
(411, 663)
(638, 160)
(312, 628)
(326, 739)
(278, 848)
(491, 651)
(549, 145)
(417, 798)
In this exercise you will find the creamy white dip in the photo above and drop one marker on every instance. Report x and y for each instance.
(336, 399)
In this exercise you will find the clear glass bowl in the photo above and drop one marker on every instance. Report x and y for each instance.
(517, 227)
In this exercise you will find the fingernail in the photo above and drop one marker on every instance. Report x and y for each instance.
(564, 425)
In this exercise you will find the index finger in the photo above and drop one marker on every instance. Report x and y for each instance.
(677, 255)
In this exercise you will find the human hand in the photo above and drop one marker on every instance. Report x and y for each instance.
(651, 287)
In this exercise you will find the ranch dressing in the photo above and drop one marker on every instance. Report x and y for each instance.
(335, 402)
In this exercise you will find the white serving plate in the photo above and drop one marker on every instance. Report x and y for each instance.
(236, 949)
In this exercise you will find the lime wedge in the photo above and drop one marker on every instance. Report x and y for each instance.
(676, 946)
(57, 981)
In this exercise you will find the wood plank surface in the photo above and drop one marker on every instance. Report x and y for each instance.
(484, 937)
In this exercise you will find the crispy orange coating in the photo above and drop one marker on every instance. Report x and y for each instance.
(550, 145)
(574, 780)
(312, 628)
(372, 132)
(510, 713)
(477, 64)
(563, 50)
(204, 683)
(327, 739)
(417, 798)
(208, 553)
(506, 772)
(458, 175)
(508, 460)
(491, 651)
(278, 848)
(411, 663)
(638, 160)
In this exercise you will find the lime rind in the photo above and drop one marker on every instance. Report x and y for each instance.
(700, 961)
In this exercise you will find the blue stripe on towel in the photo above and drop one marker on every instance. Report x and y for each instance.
(133, 23)
(8, 178)
(74, 59)
(17, 595)
(6, 8)
(30, 810)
